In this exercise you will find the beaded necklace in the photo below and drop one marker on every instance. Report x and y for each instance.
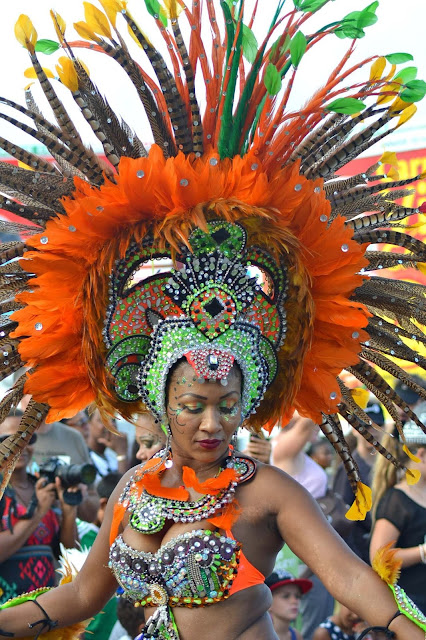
(149, 512)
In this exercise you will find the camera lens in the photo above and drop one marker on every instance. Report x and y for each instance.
(75, 473)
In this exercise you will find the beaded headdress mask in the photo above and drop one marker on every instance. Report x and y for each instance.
(259, 248)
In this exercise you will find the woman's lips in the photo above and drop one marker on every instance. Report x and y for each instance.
(209, 444)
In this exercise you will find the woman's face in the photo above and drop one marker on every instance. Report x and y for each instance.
(202, 415)
(149, 437)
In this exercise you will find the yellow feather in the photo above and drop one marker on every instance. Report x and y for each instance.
(59, 24)
(30, 73)
(173, 9)
(421, 266)
(392, 174)
(391, 73)
(389, 157)
(412, 476)
(377, 69)
(132, 33)
(361, 396)
(392, 88)
(67, 73)
(85, 32)
(362, 503)
(399, 105)
(407, 114)
(96, 20)
(112, 7)
(386, 565)
(25, 33)
(409, 454)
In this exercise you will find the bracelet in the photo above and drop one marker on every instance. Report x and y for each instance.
(422, 553)
(387, 632)
(45, 622)
(121, 457)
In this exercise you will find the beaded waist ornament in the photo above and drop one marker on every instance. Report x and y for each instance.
(261, 251)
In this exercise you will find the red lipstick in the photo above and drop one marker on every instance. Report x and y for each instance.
(209, 444)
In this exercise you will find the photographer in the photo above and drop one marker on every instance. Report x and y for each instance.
(31, 529)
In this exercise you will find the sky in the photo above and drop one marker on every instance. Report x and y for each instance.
(400, 27)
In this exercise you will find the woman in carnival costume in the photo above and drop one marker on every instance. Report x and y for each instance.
(264, 296)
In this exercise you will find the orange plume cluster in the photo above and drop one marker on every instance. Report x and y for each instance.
(61, 324)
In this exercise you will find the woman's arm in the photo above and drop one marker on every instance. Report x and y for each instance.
(353, 583)
(385, 532)
(78, 600)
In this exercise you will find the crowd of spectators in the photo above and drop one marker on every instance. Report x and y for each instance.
(39, 510)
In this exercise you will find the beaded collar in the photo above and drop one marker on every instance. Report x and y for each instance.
(150, 512)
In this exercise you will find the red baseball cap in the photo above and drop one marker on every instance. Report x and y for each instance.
(279, 578)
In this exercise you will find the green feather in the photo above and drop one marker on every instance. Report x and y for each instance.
(225, 151)
(235, 146)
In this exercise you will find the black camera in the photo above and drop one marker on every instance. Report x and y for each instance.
(70, 475)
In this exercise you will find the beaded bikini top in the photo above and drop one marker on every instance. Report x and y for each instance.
(194, 569)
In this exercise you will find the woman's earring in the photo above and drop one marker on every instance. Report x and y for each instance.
(167, 457)
(234, 440)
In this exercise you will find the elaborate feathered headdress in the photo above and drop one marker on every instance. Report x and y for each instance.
(272, 266)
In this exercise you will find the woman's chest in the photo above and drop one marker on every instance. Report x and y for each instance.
(195, 567)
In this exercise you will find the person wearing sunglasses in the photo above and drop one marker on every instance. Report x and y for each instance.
(30, 527)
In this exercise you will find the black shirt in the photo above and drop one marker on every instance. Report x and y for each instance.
(358, 538)
(410, 520)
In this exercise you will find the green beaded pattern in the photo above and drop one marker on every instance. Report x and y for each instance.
(220, 295)
(174, 338)
(407, 607)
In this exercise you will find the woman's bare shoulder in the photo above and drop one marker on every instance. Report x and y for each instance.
(268, 473)
(274, 486)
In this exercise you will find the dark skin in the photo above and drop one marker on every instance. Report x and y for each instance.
(273, 508)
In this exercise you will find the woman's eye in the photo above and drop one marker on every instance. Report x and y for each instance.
(194, 408)
(147, 443)
(229, 410)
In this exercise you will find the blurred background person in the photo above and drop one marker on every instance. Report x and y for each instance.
(149, 438)
(342, 625)
(87, 531)
(288, 454)
(322, 452)
(100, 627)
(358, 538)
(287, 592)
(108, 451)
(57, 440)
(80, 422)
(31, 528)
(130, 623)
(409, 395)
(399, 509)
(259, 447)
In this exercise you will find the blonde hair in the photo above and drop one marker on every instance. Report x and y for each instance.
(386, 474)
